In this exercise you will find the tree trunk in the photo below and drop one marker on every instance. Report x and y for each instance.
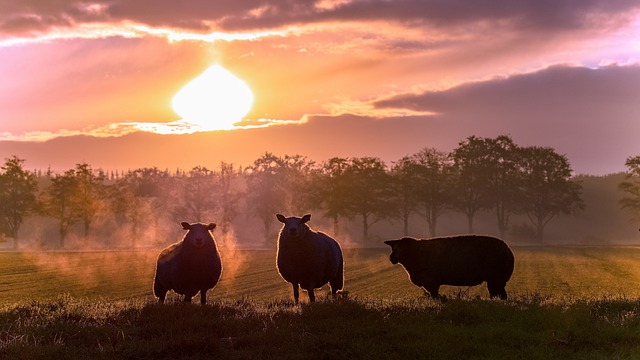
(432, 227)
(432, 219)
(14, 232)
(63, 234)
(503, 220)
(87, 225)
(470, 222)
(540, 231)
(365, 228)
(406, 225)
(502, 231)
(266, 232)
(14, 235)
(336, 226)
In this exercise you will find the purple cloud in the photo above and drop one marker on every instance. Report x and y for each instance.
(32, 16)
(592, 115)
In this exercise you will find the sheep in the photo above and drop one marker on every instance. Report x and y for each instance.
(190, 265)
(463, 260)
(308, 258)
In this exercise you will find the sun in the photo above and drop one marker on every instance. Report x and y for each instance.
(215, 100)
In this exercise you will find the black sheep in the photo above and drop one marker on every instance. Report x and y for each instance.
(464, 260)
(308, 258)
(190, 265)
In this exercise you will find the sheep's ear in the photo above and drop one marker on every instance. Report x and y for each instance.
(185, 225)
(305, 218)
(211, 226)
(281, 218)
(390, 242)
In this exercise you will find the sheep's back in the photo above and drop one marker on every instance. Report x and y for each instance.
(187, 271)
(463, 260)
(314, 262)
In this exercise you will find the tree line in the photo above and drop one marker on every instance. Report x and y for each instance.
(480, 174)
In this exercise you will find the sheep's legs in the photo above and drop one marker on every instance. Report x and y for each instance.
(296, 292)
(188, 296)
(337, 283)
(159, 291)
(312, 296)
(203, 296)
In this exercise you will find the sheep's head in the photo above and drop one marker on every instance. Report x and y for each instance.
(198, 234)
(294, 226)
(400, 249)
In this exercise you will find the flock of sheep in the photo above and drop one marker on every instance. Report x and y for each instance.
(310, 259)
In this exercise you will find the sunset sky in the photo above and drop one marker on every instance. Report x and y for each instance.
(94, 81)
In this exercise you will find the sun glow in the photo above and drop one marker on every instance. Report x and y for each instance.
(215, 100)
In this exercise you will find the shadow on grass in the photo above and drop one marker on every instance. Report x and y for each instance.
(529, 327)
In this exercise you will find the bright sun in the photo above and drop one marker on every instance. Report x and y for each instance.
(215, 100)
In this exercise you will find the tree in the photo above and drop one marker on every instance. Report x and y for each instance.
(196, 194)
(631, 187)
(136, 197)
(503, 178)
(228, 195)
(404, 179)
(434, 171)
(264, 183)
(368, 193)
(18, 190)
(296, 176)
(547, 189)
(471, 178)
(278, 184)
(330, 190)
(57, 201)
(90, 194)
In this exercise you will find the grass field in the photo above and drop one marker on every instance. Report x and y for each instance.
(565, 302)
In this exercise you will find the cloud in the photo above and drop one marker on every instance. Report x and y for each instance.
(35, 19)
(590, 114)
(177, 127)
(555, 88)
(529, 15)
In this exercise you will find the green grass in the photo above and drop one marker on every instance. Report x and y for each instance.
(565, 303)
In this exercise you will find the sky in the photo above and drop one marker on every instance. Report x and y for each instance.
(95, 81)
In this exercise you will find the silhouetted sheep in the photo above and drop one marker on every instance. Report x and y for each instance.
(308, 258)
(465, 260)
(190, 265)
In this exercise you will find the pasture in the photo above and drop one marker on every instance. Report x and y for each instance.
(565, 302)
